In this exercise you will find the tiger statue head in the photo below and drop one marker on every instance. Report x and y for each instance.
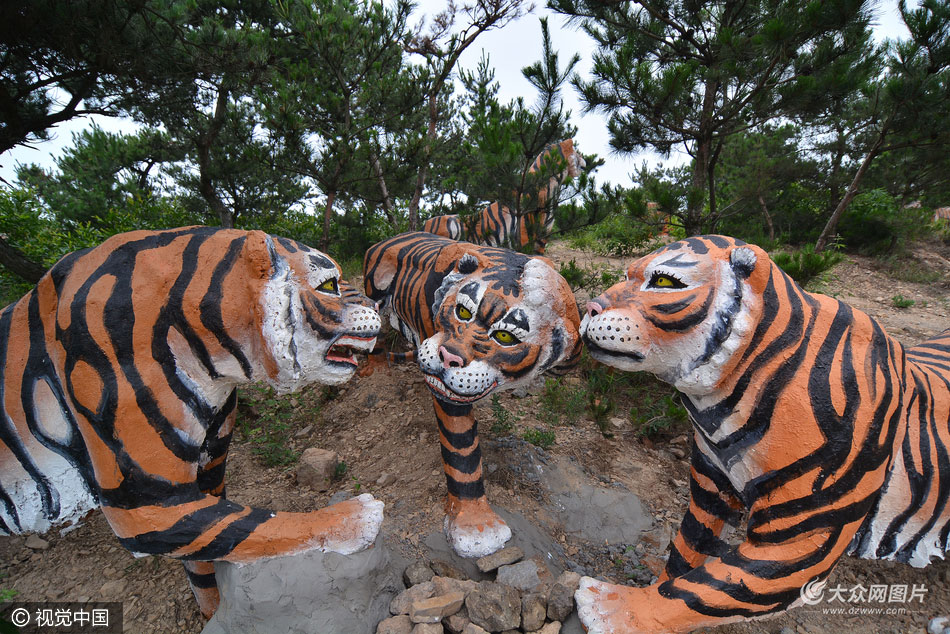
(312, 321)
(502, 319)
(682, 312)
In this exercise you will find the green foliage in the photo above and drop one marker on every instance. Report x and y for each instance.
(875, 224)
(543, 438)
(592, 277)
(804, 265)
(657, 416)
(900, 301)
(617, 235)
(504, 420)
(561, 402)
(340, 470)
(267, 422)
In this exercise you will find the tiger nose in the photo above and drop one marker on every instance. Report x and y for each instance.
(450, 360)
(594, 309)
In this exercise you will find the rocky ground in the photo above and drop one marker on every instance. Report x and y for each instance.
(383, 431)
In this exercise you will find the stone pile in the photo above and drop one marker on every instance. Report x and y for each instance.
(524, 597)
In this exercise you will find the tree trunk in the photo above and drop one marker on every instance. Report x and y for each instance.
(768, 218)
(387, 201)
(426, 155)
(17, 263)
(204, 143)
(693, 220)
(852, 191)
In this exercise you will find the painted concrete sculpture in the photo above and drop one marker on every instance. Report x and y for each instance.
(806, 414)
(497, 226)
(118, 389)
(480, 319)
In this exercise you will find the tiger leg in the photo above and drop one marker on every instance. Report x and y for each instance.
(211, 481)
(712, 503)
(761, 576)
(380, 358)
(471, 526)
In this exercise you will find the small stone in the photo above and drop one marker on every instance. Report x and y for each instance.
(554, 627)
(457, 622)
(417, 573)
(385, 480)
(786, 630)
(445, 569)
(303, 432)
(113, 588)
(939, 625)
(35, 542)
(494, 606)
(560, 602)
(428, 628)
(522, 575)
(448, 585)
(434, 609)
(617, 422)
(504, 557)
(395, 625)
(471, 628)
(533, 610)
(678, 452)
(317, 468)
(404, 600)
(570, 580)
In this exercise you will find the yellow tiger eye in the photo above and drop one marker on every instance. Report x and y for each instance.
(463, 313)
(329, 286)
(505, 337)
(664, 281)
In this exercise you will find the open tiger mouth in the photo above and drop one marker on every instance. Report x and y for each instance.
(441, 390)
(345, 348)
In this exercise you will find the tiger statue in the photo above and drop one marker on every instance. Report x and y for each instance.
(806, 415)
(480, 319)
(118, 390)
(497, 226)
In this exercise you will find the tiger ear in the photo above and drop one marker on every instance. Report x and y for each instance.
(743, 260)
(260, 254)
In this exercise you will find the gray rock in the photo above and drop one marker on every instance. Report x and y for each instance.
(416, 573)
(560, 602)
(35, 542)
(402, 602)
(594, 513)
(307, 592)
(504, 557)
(522, 575)
(437, 608)
(428, 628)
(457, 622)
(395, 625)
(939, 625)
(553, 627)
(445, 569)
(570, 580)
(448, 585)
(534, 608)
(494, 607)
(317, 468)
(471, 628)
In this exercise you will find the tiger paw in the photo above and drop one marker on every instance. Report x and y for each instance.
(351, 526)
(476, 532)
(606, 608)
(375, 360)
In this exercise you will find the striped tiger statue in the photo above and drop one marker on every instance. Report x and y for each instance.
(118, 391)
(806, 415)
(480, 320)
(497, 226)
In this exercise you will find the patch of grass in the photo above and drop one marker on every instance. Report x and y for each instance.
(617, 235)
(504, 420)
(655, 417)
(268, 421)
(805, 265)
(543, 438)
(900, 301)
(340, 470)
(561, 403)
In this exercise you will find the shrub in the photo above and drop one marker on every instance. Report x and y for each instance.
(875, 223)
(805, 265)
(543, 438)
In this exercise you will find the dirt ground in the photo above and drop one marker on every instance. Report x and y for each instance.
(383, 429)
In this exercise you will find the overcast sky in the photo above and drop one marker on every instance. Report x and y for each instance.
(509, 50)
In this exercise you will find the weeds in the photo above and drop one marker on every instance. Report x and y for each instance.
(656, 417)
(805, 265)
(269, 432)
(900, 301)
(504, 421)
(561, 403)
(591, 278)
(543, 438)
